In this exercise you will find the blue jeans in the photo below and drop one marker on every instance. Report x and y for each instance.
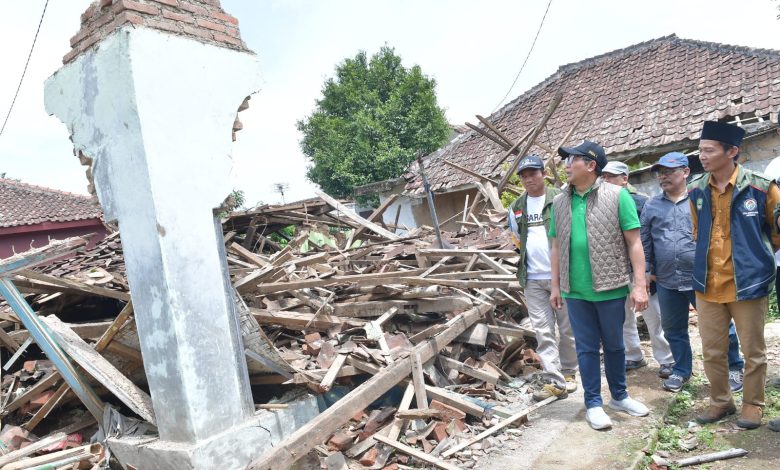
(674, 320)
(596, 325)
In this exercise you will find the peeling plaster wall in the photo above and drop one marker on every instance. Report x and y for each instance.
(155, 113)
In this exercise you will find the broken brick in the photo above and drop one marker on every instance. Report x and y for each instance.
(448, 411)
(369, 458)
(341, 441)
(41, 399)
(440, 431)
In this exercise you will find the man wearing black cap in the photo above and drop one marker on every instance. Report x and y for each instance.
(529, 219)
(735, 227)
(595, 245)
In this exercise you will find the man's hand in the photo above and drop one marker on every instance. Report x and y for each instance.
(638, 298)
(555, 298)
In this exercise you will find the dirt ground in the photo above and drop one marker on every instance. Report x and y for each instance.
(558, 437)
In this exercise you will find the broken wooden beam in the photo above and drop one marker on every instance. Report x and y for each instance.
(102, 370)
(317, 430)
(418, 454)
(352, 215)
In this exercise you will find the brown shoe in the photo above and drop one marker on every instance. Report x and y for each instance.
(716, 413)
(751, 415)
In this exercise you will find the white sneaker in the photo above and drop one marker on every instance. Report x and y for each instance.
(597, 418)
(630, 406)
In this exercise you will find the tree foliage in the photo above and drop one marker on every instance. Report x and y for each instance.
(372, 118)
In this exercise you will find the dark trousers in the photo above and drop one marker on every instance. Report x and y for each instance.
(596, 325)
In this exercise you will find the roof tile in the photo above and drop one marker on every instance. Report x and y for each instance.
(651, 94)
(26, 204)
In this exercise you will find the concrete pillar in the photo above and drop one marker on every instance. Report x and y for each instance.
(153, 113)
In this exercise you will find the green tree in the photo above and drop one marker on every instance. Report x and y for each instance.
(372, 118)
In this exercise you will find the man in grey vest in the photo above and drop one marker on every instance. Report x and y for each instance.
(529, 219)
(595, 247)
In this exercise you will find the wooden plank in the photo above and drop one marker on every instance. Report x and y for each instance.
(253, 258)
(34, 391)
(125, 351)
(476, 335)
(375, 308)
(355, 217)
(32, 448)
(333, 371)
(463, 284)
(548, 113)
(455, 400)
(398, 423)
(510, 151)
(83, 330)
(364, 279)
(76, 285)
(494, 429)
(490, 196)
(297, 444)
(418, 379)
(494, 265)
(468, 370)
(416, 453)
(470, 173)
(43, 411)
(374, 215)
(41, 460)
(102, 370)
(116, 325)
(8, 341)
(299, 321)
(495, 129)
(517, 332)
(426, 333)
(488, 135)
(465, 253)
(427, 413)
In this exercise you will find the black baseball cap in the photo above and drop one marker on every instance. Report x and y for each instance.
(530, 161)
(587, 149)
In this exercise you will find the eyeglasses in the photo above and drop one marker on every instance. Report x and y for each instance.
(571, 159)
(667, 171)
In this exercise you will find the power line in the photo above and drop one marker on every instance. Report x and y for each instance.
(25, 68)
(526, 58)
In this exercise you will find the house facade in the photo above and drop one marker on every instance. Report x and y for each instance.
(31, 215)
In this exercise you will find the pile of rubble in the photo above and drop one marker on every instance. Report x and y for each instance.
(369, 320)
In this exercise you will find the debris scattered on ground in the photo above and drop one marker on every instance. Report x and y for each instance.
(419, 355)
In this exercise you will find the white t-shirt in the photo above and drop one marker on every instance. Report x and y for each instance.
(537, 247)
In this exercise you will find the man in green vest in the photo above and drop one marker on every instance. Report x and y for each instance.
(595, 247)
(529, 219)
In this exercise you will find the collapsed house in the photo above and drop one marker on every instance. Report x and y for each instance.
(638, 103)
(280, 336)
(345, 327)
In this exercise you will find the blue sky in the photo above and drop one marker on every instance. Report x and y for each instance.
(472, 49)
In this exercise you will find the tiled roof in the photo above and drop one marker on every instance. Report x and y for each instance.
(25, 204)
(651, 94)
